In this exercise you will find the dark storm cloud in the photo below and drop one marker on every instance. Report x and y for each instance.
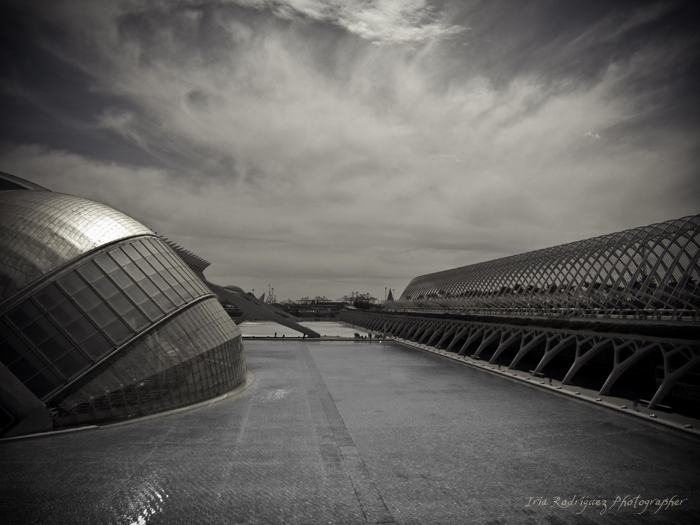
(335, 144)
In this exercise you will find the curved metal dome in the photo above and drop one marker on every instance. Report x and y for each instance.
(41, 231)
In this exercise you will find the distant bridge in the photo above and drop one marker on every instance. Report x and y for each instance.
(624, 304)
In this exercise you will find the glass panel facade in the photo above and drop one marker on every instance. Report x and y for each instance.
(70, 324)
(196, 355)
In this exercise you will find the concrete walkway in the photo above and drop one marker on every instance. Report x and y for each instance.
(357, 432)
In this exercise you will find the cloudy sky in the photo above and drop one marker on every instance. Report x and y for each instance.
(326, 147)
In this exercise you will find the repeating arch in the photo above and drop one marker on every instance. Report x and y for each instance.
(493, 340)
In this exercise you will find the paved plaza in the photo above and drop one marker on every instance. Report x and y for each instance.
(354, 432)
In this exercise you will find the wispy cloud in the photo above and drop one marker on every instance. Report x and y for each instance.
(323, 167)
(383, 21)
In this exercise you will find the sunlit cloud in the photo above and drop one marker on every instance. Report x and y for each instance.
(329, 166)
(383, 21)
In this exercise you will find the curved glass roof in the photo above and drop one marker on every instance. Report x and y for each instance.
(41, 231)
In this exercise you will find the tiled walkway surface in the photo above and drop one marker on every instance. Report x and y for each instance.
(356, 432)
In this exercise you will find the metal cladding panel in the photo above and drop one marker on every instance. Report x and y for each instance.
(653, 270)
(40, 231)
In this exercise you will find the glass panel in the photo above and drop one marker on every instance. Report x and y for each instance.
(97, 346)
(184, 293)
(194, 292)
(71, 283)
(152, 311)
(134, 272)
(12, 349)
(24, 314)
(160, 282)
(162, 301)
(181, 273)
(102, 315)
(27, 366)
(105, 288)
(71, 364)
(154, 245)
(149, 287)
(43, 383)
(154, 262)
(135, 294)
(55, 347)
(145, 267)
(40, 330)
(120, 257)
(118, 332)
(131, 252)
(141, 248)
(120, 304)
(106, 263)
(90, 272)
(121, 279)
(169, 278)
(80, 330)
(65, 313)
(49, 297)
(135, 319)
(173, 296)
(87, 299)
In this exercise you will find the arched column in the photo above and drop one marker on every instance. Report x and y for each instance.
(549, 354)
(507, 339)
(478, 331)
(526, 346)
(451, 330)
(457, 337)
(620, 367)
(599, 344)
(671, 378)
(487, 340)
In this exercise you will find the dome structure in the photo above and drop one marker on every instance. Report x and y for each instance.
(41, 230)
(99, 318)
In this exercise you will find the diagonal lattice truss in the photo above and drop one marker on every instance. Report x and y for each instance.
(648, 271)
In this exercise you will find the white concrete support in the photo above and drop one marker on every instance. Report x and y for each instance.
(621, 366)
(597, 345)
(508, 337)
(527, 343)
(549, 354)
(671, 377)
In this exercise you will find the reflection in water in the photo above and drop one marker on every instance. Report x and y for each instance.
(325, 328)
(143, 501)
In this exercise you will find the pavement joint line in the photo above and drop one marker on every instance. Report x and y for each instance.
(652, 420)
(249, 381)
(368, 496)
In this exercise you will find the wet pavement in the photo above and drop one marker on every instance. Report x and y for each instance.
(357, 432)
